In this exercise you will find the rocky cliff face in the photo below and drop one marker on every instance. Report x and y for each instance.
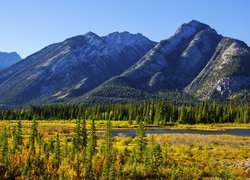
(71, 68)
(227, 72)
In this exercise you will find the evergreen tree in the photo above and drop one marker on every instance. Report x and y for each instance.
(57, 151)
(27, 167)
(246, 118)
(84, 133)
(17, 137)
(77, 136)
(84, 139)
(4, 148)
(91, 147)
(19, 132)
(133, 161)
(182, 117)
(155, 155)
(33, 135)
(141, 141)
(108, 149)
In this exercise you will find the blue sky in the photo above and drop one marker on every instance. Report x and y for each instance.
(27, 26)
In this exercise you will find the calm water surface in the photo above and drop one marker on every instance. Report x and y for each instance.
(132, 132)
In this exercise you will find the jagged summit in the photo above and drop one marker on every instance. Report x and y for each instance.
(119, 40)
(90, 34)
(191, 27)
(198, 24)
(85, 37)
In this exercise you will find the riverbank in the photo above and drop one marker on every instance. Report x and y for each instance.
(101, 124)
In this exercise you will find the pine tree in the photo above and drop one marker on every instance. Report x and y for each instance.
(246, 118)
(108, 148)
(19, 132)
(84, 139)
(17, 137)
(91, 147)
(5, 148)
(33, 135)
(141, 141)
(57, 151)
(133, 161)
(27, 168)
(182, 117)
(155, 155)
(15, 141)
(77, 136)
(84, 133)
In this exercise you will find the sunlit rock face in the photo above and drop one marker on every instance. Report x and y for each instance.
(72, 67)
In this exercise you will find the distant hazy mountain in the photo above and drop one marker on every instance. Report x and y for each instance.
(8, 59)
(196, 62)
(72, 67)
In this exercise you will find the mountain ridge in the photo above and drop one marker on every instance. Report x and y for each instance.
(122, 66)
(201, 48)
(70, 68)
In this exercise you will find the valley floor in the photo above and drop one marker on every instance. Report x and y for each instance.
(178, 156)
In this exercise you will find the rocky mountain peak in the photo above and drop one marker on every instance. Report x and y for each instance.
(81, 41)
(188, 29)
(198, 25)
(91, 34)
(125, 38)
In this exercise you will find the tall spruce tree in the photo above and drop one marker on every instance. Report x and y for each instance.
(155, 154)
(17, 137)
(91, 147)
(33, 135)
(84, 139)
(108, 149)
(57, 151)
(4, 148)
(141, 141)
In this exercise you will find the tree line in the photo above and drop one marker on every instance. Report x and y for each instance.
(151, 112)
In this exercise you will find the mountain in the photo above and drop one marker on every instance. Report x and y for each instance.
(71, 68)
(196, 60)
(8, 59)
(195, 63)
(227, 74)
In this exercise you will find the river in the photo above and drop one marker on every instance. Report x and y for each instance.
(132, 132)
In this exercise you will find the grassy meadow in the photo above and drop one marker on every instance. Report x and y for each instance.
(74, 150)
